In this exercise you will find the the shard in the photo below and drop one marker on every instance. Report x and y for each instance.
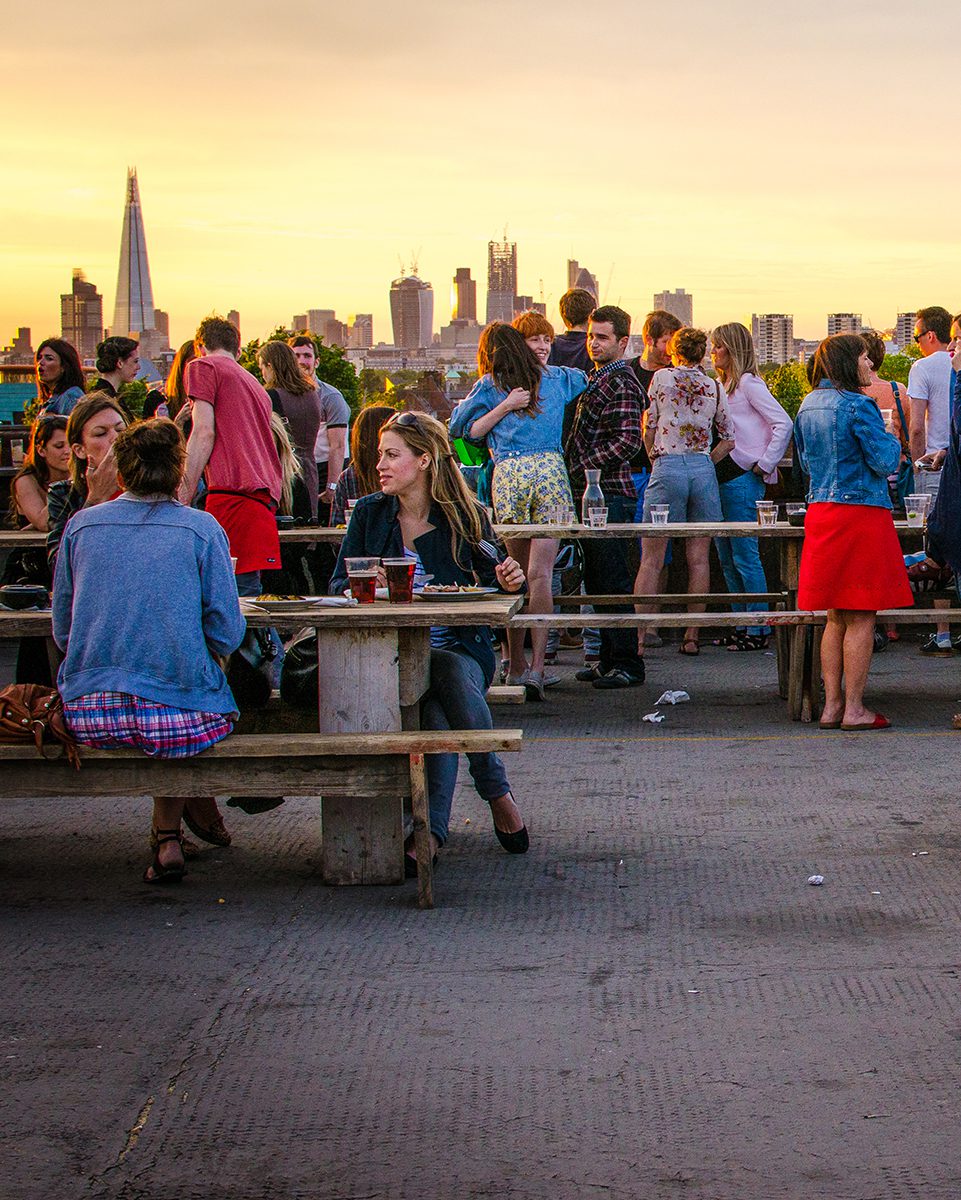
(134, 310)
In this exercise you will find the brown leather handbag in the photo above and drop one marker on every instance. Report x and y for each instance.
(31, 713)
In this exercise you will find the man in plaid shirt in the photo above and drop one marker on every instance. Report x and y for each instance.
(605, 435)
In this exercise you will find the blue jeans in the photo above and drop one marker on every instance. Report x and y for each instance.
(456, 700)
(740, 557)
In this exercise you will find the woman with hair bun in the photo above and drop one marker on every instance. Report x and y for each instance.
(425, 512)
(118, 362)
(155, 685)
(687, 409)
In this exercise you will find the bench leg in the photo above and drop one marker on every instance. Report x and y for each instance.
(782, 646)
(418, 803)
(795, 681)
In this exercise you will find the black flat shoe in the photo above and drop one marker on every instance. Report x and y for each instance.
(514, 843)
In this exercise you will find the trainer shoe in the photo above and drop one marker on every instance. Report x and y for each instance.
(617, 678)
(588, 673)
(935, 649)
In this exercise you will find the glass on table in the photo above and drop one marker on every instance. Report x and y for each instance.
(362, 574)
(597, 517)
(660, 514)
(400, 579)
(765, 506)
(916, 509)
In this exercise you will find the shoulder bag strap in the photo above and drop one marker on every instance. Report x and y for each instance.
(897, 401)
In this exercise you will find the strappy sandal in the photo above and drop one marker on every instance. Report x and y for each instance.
(164, 874)
(729, 639)
(749, 641)
(683, 648)
(190, 849)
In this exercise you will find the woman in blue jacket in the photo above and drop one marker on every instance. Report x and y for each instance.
(851, 563)
(156, 684)
(426, 513)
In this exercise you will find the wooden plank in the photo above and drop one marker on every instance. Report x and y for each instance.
(505, 694)
(413, 647)
(795, 684)
(306, 745)
(673, 620)
(421, 816)
(672, 598)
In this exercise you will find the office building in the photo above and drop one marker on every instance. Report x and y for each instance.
(298, 323)
(844, 323)
(580, 277)
(20, 349)
(904, 330)
(805, 348)
(460, 333)
(501, 281)
(134, 308)
(773, 335)
(81, 316)
(412, 312)
(361, 332)
(679, 303)
(463, 304)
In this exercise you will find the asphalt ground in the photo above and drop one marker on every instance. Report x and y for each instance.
(653, 1002)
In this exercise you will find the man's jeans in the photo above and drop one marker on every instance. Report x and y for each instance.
(606, 572)
(456, 700)
(740, 557)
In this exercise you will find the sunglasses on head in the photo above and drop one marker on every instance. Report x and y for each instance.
(404, 418)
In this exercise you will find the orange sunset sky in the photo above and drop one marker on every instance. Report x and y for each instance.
(780, 158)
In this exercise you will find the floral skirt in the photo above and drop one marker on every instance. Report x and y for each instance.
(111, 720)
(527, 487)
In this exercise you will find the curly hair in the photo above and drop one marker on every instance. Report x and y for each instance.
(112, 351)
(688, 344)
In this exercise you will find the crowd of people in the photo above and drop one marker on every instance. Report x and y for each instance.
(120, 501)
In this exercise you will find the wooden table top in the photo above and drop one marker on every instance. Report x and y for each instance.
(490, 610)
(10, 538)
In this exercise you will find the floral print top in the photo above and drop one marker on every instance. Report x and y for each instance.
(686, 407)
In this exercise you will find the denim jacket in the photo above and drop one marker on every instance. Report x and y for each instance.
(841, 442)
(374, 529)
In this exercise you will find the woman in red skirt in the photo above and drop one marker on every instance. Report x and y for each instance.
(851, 563)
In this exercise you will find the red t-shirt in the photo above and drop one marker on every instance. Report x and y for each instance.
(244, 458)
(243, 474)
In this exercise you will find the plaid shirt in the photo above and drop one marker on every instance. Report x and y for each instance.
(606, 433)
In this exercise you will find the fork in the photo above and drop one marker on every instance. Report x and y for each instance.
(488, 549)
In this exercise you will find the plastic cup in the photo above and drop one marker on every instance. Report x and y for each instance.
(16, 452)
(763, 506)
(362, 573)
(660, 514)
(767, 516)
(597, 518)
(916, 510)
(400, 579)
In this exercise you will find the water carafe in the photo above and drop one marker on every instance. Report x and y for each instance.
(593, 496)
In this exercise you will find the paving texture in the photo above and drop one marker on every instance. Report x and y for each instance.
(652, 1003)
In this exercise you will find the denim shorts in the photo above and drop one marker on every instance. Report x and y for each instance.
(687, 483)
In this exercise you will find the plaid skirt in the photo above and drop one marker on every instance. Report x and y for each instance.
(110, 720)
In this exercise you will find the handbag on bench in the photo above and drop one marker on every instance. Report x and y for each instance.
(30, 713)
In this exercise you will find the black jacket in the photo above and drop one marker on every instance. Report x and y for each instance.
(374, 529)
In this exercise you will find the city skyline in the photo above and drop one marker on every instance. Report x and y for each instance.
(749, 188)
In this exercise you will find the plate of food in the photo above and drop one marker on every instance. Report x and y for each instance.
(272, 603)
(439, 593)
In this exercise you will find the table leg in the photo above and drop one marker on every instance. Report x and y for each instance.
(358, 680)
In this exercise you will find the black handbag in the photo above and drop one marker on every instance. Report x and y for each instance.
(298, 674)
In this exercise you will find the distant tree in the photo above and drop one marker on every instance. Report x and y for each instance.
(134, 395)
(333, 366)
(788, 383)
(897, 366)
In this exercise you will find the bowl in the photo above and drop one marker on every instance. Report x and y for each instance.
(23, 595)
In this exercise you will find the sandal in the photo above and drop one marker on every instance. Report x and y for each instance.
(748, 641)
(683, 648)
(160, 873)
(210, 826)
(190, 849)
(729, 639)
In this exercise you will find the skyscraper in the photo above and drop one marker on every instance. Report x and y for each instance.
(412, 312)
(81, 316)
(501, 280)
(134, 309)
(844, 323)
(580, 277)
(679, 303)
(773, 337)
(362, 331)
(464, 297)
(904, 330)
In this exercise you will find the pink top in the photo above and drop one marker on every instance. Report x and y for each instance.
(762, 429)
(244, 458)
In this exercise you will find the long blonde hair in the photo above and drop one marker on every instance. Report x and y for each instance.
(290, 467)
(426, 435)
(737, 341)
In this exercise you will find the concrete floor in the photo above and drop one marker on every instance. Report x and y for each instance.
(652, 1003)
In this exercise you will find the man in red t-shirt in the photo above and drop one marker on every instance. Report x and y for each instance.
(232, 446)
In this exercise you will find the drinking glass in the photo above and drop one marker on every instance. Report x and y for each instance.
(362, 573)
(660, 514)
(597, 517)
(400, 579)
(762, 507)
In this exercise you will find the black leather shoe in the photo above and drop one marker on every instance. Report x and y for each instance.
(514, 843)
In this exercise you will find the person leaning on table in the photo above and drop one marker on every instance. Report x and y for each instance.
(425, 512)
(851, 562)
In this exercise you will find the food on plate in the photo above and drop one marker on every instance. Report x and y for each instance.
(271, 596)
(453, 587)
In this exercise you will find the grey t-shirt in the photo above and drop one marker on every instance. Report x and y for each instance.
(334, 410)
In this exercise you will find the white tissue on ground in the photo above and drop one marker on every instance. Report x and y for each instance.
(673, 698)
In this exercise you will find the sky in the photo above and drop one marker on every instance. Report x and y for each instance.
(790, 158)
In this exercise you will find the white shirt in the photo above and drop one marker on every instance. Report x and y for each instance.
(929, 387)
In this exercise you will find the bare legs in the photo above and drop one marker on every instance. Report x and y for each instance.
(536, 556)
(846, 648)
(649, 576)
(167, 814)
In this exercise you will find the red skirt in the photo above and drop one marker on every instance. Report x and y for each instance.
(851, 559)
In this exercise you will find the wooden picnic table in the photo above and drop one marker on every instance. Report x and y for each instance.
(374, 668)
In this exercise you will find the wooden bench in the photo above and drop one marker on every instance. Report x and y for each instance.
(505, 693)
(360, 767)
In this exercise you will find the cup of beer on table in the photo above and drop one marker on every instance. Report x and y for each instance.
(400, 579)
(362, 573)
